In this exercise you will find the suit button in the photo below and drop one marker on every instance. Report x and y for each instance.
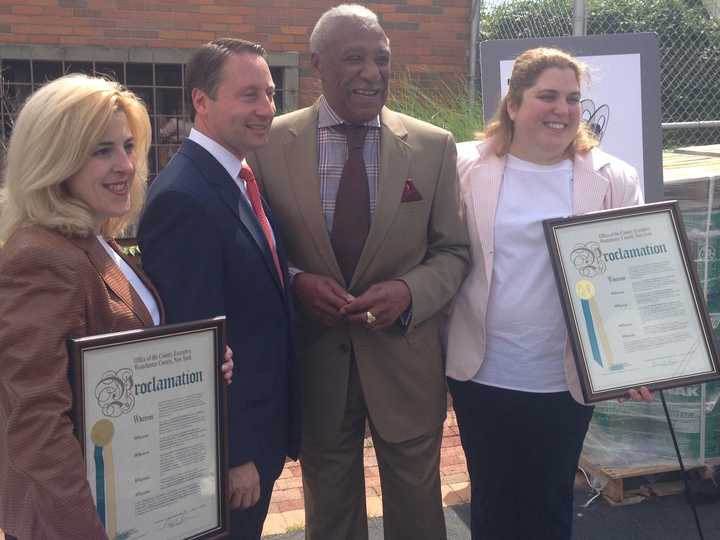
(345, 348)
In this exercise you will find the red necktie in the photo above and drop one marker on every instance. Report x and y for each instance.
(256, 202)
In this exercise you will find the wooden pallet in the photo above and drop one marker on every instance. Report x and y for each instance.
(679, 167)
(629, 485)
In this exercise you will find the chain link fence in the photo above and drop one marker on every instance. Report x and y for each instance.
(689, 49)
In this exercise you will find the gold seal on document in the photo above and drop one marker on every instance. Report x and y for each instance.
(102, 432)
(584, 289)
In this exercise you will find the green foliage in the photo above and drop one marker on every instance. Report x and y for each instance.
(527, 18)
(669, 18)
(445, 104)
(131, 251)
(689, 57)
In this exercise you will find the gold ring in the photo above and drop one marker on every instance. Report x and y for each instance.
(369, 317)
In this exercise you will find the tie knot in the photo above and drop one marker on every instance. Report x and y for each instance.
(247, 174)
(355, 134)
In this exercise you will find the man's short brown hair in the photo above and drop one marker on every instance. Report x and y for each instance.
(204, 69)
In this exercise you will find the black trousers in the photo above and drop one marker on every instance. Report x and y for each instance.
(522, 451)
(248, 524)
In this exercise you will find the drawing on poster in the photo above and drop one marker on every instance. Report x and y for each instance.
(596, 118)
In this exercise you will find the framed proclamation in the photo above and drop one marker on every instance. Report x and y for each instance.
(634, 313)
(150, 414)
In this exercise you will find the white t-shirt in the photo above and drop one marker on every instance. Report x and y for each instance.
(137, 284)
(526, 331)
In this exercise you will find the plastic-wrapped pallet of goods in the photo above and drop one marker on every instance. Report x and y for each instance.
(632, 434)
(632, 439)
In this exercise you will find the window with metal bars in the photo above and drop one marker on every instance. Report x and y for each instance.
(160, 85)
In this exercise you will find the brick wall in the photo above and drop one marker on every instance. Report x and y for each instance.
(428, 37)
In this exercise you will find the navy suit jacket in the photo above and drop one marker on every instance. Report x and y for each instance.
(205, 251)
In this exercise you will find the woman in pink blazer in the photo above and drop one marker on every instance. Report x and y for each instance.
(509, 365)
(75, 176)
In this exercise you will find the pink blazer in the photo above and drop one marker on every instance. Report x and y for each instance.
(600, 181)
(51, 288)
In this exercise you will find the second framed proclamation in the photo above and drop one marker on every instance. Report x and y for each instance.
(634, 312)
(151, 417)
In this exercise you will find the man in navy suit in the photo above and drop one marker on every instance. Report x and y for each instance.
(209, 244)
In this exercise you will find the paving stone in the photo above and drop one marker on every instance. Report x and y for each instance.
(374, 506)
(287, 495)
(294, 504)
(295, 519)
(274, 524)
(286, 513)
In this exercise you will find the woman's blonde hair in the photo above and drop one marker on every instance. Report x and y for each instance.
(55, 133)
(526, 71)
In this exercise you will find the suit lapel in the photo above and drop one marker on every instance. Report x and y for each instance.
(394, 161)
(589, 190)
(141, 275)
(230, 194)
(114, 278)
(302, 165)
(589, 186)
(485, 184)
(280, 249)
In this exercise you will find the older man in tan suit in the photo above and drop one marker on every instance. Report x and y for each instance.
(368, 204)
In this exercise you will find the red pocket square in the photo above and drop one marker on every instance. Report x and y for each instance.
(410, 192)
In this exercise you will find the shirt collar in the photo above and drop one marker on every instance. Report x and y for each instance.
(329, 118)
(227, 159)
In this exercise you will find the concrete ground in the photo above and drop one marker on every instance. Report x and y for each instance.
(286, 513)
(655, 518)
(658, 518)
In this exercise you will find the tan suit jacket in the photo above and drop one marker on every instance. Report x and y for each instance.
(600, 182)
(423, 243)
(51, 288)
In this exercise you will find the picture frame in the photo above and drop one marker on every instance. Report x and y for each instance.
(634, 312)
(150, 412)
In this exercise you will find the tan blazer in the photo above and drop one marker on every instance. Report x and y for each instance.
(600, 181)
(51, 288)
(423, 243)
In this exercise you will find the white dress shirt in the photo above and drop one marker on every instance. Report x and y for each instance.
(224, 157)
(227, 159)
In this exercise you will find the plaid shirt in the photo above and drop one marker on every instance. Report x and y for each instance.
(332, 154)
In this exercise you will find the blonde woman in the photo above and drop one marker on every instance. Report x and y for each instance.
(510, 368)
(75, 176)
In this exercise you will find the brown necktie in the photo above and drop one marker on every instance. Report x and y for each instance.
(256, 202)
(351, 220)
